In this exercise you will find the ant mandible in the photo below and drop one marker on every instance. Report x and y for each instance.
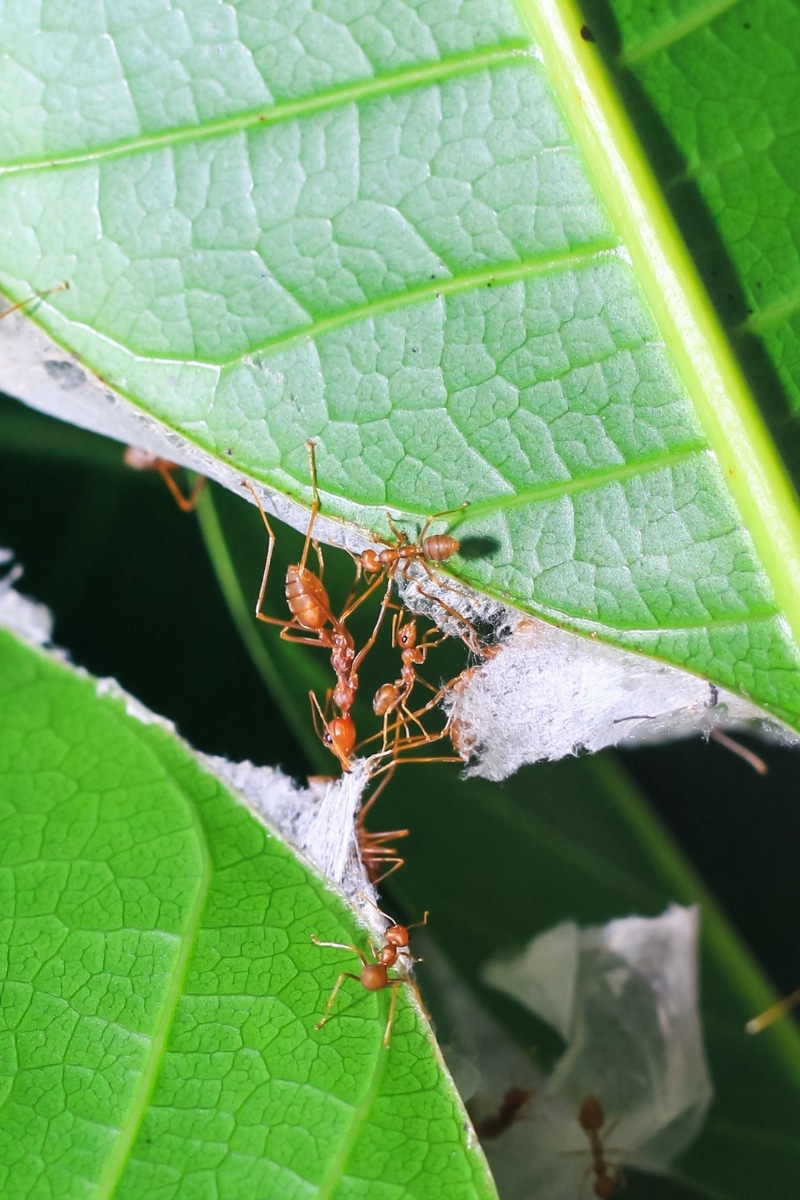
(374, 976)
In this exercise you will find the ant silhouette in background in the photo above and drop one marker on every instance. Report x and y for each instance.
(609, 1178)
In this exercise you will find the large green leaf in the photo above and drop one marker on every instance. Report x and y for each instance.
(160, 987)
(427, 237)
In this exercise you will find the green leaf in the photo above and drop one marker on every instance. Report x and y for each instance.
(428, 238)
(160, 986)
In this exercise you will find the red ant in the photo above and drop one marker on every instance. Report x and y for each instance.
(437, 548)
(508, 1112)
(391, 696)
(374, 976)
(311, 615)
(145, 460)
(609, 1179)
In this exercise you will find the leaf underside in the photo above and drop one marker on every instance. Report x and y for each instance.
(378, 230)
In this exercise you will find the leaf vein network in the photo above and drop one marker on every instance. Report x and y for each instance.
(365, 89)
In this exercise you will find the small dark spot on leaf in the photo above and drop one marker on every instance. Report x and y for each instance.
(747, 25)
(586, 33)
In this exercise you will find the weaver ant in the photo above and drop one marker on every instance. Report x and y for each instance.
(438, 548)
(392, 696)
(608, 1178)
(145, 460)
(507, 1113)
(314, 622)
(374, 976)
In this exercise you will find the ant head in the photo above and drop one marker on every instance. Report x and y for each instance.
(407, 635)
(371, 563)
(396, 935)
(340, 738)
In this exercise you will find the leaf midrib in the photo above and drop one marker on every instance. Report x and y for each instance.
(117, 1160)
(736, 433)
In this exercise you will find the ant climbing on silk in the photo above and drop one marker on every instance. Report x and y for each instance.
(374, 976)
(313, 620)
(393, 696)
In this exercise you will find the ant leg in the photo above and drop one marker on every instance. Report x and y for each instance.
(188, 503)
(366, 807)
(344, 975)
(447, 512)
(383, 854)
(390, 1022)
(270, 548)
(342, 946)
(401, 535)
(370, 642)
(774, 1013)
(314, 507)
(470, 637)
(317, 715)
(352, 605)
(743, 752)
(61, 287)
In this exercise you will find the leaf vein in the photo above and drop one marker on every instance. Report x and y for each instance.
(396, 81)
